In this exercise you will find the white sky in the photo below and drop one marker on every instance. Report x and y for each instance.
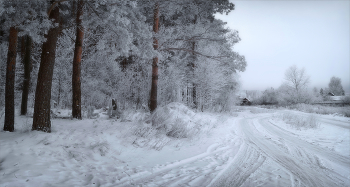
(278, 34)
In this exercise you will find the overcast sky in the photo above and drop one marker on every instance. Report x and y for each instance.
(278, 34)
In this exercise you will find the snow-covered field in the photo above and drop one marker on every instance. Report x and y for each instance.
(250, 147)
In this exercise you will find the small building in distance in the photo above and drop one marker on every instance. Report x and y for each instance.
(334, 100)
(245, 101)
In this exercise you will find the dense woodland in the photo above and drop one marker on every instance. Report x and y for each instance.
(78, 54)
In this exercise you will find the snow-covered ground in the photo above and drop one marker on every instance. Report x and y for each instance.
(250, 147)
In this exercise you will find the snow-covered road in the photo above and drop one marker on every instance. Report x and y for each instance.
(301, 162)
(250, 148)
(260, 153)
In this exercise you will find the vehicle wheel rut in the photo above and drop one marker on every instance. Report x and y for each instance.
(194, 171)
(245, 163)
(298, 157)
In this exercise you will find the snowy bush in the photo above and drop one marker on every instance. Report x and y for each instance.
(268, 97)
(169, 123)
(299, 122)
(175, 120)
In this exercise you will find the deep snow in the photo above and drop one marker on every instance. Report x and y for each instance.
(250, 147)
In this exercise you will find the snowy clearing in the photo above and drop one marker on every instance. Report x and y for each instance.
(250, 147)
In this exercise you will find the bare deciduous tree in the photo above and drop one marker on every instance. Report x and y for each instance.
(296, 78)
(295, 85)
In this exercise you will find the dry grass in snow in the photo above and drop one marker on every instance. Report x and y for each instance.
(300, 122)
(168, 123)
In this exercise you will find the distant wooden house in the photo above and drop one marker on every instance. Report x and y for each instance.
(245, 101)
(333, 100)
(337, 98)
(330, 94)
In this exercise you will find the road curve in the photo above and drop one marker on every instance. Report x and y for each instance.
(301, 159)
(258, 153)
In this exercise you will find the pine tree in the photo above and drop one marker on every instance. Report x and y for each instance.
(27, 70)
(41, 118)
(27, 19)
(76, 103)
(183, 39)
(153, 96)
(10, 81)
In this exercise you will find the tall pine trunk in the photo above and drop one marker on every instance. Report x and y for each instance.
(76, 104)
(153, 97)
(10, 81)
(27, 69)
(59, 91)
(41, 118)
(193, 66)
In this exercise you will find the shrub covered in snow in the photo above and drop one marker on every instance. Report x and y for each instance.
(172, 122)
(299, 122)
(175, 120)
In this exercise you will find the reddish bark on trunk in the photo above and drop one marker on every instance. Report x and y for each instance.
(41, 118)
(10, 81)
(76, 103)
(27, 69)
(153, 97)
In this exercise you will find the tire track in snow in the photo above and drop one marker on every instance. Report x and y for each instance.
(341, 124)
(238, 170)
(296, 159)
(313, 155)
(194, 171)
(340, 159)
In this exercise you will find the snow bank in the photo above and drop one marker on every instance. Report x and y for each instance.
(168, 124)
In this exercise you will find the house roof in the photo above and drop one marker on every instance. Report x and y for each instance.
(337, 98)
(246, 99)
